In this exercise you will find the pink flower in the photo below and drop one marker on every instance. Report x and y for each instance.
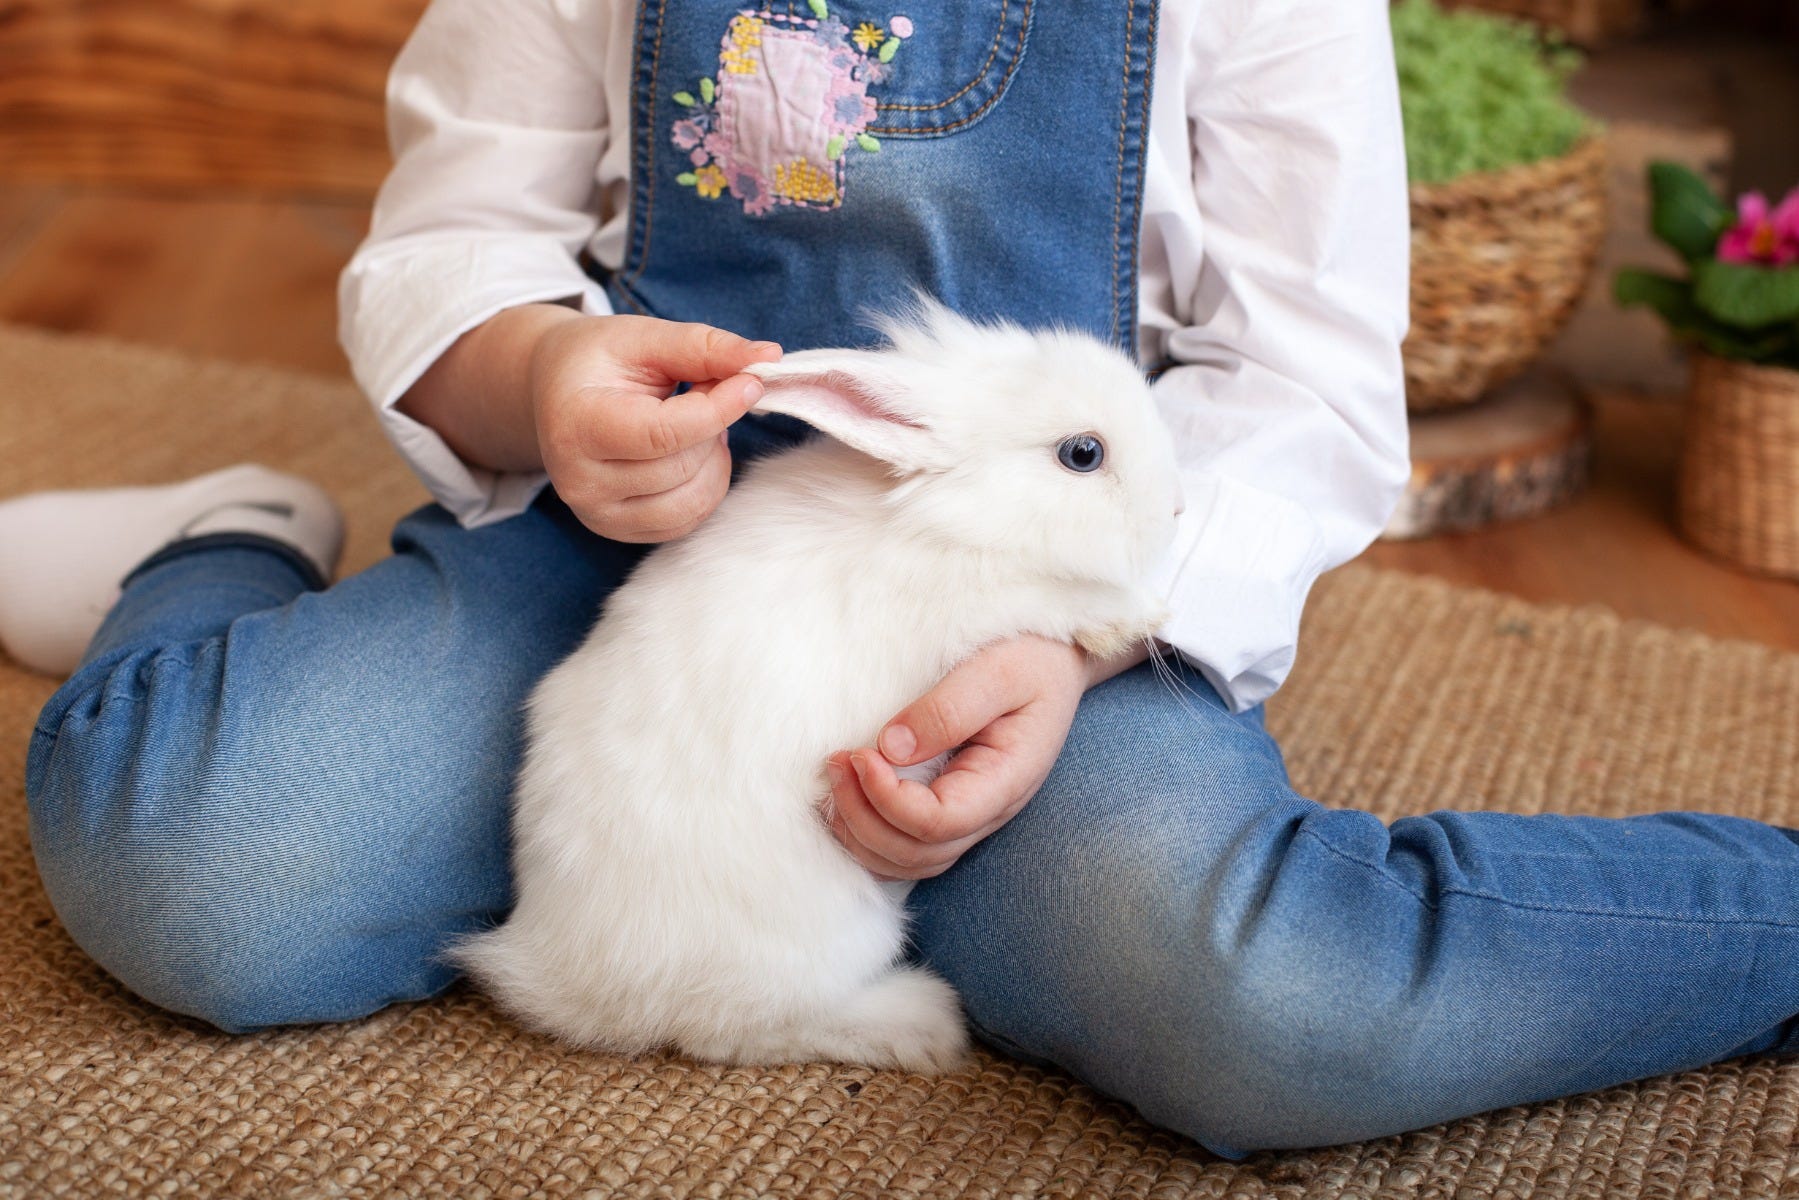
(1786, 217)
(687, 135)
(754, 191)
(1760, 237)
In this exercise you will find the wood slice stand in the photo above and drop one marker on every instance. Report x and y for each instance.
(1521, 450)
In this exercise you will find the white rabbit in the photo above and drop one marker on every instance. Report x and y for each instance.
(676, 882)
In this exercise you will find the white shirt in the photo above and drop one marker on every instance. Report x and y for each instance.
(1273, 257)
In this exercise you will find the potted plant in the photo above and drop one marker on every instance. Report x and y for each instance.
(1508, 197)
(1737, 306)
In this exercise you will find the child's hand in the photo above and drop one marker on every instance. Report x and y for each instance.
(1009, 707)
(634, 463)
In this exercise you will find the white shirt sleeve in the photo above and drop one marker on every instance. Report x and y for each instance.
(1287, 400)
(497, 120)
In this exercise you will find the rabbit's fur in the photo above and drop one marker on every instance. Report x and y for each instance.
(676, 883)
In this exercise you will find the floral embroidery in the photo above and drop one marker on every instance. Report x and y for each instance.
(710, 180)
(744, 36)
(800, 180)
(739, 130)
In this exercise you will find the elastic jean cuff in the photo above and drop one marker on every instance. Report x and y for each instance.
(310, 575)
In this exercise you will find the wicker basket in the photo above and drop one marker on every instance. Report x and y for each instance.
(1499, 260)
(1585, 21)
(1739, 469)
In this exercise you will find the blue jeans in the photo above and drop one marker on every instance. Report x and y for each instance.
(258, 804)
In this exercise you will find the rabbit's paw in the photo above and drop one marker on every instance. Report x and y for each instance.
(1115, 637)
(908, 1019)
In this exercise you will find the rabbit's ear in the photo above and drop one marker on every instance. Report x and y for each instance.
(860, 397)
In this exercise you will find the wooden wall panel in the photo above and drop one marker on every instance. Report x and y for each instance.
(271, 95)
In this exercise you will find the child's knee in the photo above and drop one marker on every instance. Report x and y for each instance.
(220, 929)
(222, 886)
(1208, 998)
(1280, 1052)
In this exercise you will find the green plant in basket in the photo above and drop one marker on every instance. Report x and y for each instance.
(1740, 298)
(1480, 92)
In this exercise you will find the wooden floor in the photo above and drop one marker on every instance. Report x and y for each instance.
(255, 279)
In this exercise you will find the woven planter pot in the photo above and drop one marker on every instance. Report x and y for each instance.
(1584, 21)
(1499, 260)
(1739, 468)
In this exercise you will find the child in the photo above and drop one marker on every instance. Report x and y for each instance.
(260, 800)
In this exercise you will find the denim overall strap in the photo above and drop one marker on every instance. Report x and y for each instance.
(800, 163)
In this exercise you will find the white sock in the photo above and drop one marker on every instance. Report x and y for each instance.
(64, 554)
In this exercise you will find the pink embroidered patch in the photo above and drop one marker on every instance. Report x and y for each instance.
(790, 99)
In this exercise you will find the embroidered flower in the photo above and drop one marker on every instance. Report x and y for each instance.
(853, 110)
(787, 108)
(754, 191)
(710, 181)
(801, 180)
(746, 31)
(1761, 237)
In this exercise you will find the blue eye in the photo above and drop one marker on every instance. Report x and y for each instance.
(1082, 453)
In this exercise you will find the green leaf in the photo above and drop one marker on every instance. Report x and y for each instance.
(834, 148)
(1747, 296)
(1670, 298)
(1779, 346)
(870, 144)
(889, 48)
(819, 9)
(687, 179)
(707, 90)
(686, 99)
(1683, 212)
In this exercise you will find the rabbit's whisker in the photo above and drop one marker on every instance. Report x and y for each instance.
(1172, 683)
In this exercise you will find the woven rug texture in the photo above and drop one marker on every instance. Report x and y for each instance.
(1410, 695)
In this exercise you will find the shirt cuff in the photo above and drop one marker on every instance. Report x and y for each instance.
(404, 306)
(1236, 579)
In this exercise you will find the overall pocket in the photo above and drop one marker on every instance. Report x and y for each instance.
(958, 70)
(778, 109)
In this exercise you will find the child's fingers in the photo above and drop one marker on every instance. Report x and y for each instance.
(874, 842)
(971, 697)
(692, 352)
(676, 512)
(977, 785)
(913, 810)
(983, 785)
(877, 845)
(632, 425)
(628, 478)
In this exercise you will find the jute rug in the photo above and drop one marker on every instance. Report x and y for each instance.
(1410, 695)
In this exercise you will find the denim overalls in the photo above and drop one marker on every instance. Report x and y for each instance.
(261, 804)
(797, 165)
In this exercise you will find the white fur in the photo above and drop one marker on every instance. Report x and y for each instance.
(676, 884)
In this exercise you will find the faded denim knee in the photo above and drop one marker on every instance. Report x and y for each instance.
(231, 886)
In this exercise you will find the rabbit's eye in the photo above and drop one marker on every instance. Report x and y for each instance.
(1082, 453)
